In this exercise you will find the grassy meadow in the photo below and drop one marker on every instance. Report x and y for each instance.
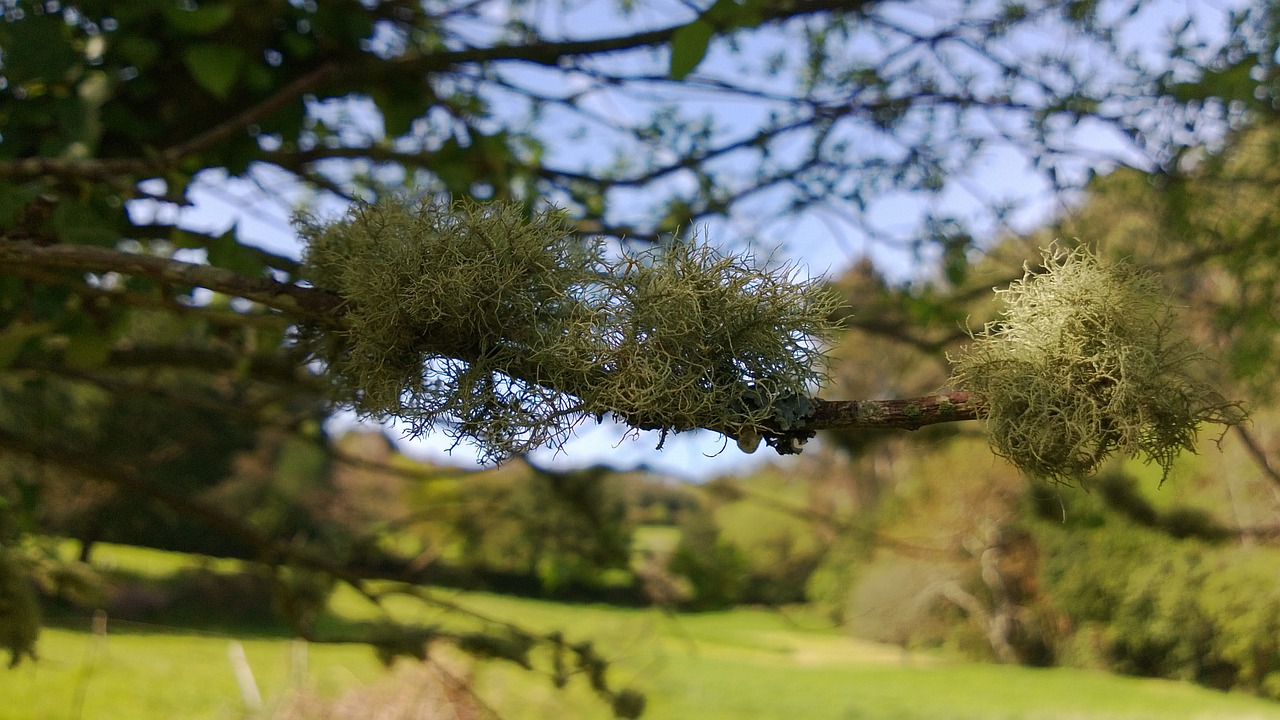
(734, 665)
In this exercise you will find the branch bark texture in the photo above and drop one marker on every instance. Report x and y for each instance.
(296, 300)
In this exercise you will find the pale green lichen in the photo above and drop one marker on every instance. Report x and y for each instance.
(508, 329)
(913, 413)
(869, 411)
(1085, 363)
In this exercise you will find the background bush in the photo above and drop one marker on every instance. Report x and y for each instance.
(1138, 600)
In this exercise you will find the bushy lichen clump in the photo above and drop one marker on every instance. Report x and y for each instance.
(1085, 363)
(508, 329)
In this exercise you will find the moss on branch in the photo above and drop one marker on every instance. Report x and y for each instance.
(509, 329)
(1085, 363)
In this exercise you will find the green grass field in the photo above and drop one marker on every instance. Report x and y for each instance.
(717, 666)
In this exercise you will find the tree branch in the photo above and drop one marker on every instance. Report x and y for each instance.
(166, 231)
(909, 414)
(1256, 452)
(543, 52)
(252, 115)
(113, 168)
(274, 369)
(326, 308)
(297, 300)
(233, 528)
(540, 52)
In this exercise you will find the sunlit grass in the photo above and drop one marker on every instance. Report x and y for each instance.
(734, 665)
(163, 675)
(656, 538)
(144, 562)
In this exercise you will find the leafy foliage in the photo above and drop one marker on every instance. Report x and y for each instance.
(715, 568)
(1084, 364)
(563, 531)
(1144, 603)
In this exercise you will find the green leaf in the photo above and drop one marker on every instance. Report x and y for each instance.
(689, 46)
(141, 52)
(214, 67)
(13, 199)
(300, 461)
(401, 101)
(454, 166)
(260, 78)
(955, 259)
(300, 46)
(37, 47)
(16, 336)
(725, 14)
(78, 224)
(88, 348)
(344, 22)
(200, 20)
(226, 252)
(752, 13)
(1233, 82)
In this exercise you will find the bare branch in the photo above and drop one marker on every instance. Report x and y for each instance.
(543, 52)
(255, 114)
(262, 545)
(113, 168)
(909, 414)
(1257, 453)
(297, 300)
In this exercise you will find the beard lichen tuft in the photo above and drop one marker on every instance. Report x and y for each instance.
(1086, 363)
(508, 329)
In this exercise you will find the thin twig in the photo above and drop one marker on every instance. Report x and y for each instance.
(299, 301)
(255, 114)
(113, 168)
(1257, 453)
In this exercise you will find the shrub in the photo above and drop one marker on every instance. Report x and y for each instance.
(897, 600)
(778, 570)
(1145, 603)
(831, 583)
(716, 570)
